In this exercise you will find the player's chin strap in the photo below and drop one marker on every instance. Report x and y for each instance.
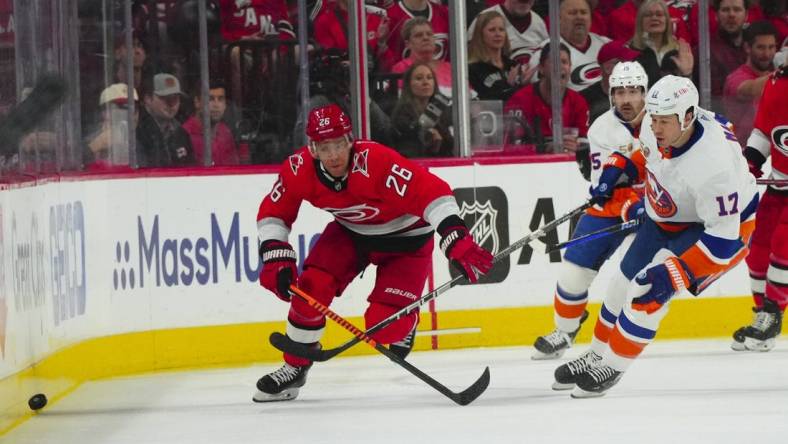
(287, 345)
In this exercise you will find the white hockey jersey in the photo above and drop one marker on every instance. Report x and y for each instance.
(523, 44)
(705, 181)
(608, 134)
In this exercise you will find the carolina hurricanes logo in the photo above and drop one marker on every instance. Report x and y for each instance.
(360, 163)
(296, 160)
(586, 74)
(780, 138)
(659, 198)
(356, 213)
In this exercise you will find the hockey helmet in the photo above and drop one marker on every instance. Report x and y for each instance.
(327, 122)
(627, 74)
(673, 95)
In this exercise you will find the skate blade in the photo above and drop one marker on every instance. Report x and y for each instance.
(557, 386)
(759, 346)
(579, 393)
(539, 356)
(284, 395)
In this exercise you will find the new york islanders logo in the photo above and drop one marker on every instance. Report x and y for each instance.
(659, 198)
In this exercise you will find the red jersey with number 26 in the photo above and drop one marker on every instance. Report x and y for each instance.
(384, 194)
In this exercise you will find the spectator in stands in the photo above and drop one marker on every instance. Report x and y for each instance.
(661, 52)
(223, 148)
(491, 73)
(139, 57)
(725, 46)
(331, 28)
(624, 17)
(161, 141)
(584, 48)
(108, 145)
(530, 109)
(404, 10)
(744, 86)
(255, 19)
(776, 12)
(609, 55)
(422, 118)
(754, 14)
(525, 29)
(420, 44)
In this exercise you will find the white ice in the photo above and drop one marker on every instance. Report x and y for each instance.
(677, 392)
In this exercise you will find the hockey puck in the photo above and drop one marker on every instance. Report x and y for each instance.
(37, 401)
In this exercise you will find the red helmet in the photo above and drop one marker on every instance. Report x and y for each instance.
(327, 122)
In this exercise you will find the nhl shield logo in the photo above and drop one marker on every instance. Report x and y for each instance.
(481, 220)
(485, 211)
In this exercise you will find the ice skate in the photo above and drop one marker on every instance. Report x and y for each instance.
(282, 384)
(566, 375)
(596, 381)
(553, 345)
(762, 333)
(403, 347)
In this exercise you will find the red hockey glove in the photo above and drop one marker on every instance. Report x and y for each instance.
(755, 161)
(279, 267)
(461, 250)
(660, 283)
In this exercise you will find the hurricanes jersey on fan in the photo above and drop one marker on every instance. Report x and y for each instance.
(383, 195)
(241, 18)
(398, 14)
(607, 135)
(706, 181)
(770, 130)
(585, 69)
(523, 44)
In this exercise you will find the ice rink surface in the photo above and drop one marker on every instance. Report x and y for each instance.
(678, 392)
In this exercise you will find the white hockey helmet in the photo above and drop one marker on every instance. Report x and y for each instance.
(673, 95)
(627, 74)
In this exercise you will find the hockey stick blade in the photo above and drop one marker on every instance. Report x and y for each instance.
(464, 397)
(287, 345)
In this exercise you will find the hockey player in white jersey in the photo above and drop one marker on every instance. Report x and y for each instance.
(616, 169)
(700, 213)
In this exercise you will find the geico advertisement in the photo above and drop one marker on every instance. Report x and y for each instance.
(43, 282)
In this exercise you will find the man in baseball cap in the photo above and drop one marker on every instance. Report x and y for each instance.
(162, 141)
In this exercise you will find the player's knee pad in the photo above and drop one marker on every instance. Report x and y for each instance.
(395, 331)
(575, 279)
(321, 286)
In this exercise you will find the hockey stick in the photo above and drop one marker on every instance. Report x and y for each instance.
(613, 229)
(47, 94)
(287, 345)
(775, 182)
(464, 397)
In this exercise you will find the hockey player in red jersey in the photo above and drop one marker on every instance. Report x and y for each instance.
(385, 210)
(768, 258)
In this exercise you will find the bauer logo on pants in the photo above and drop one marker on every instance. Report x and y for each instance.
(485, 211)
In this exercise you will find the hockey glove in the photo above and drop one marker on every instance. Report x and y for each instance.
(755, 161)
(616, 165)
(461, 250)
(659, 283)
(632, 209)
(279, 267)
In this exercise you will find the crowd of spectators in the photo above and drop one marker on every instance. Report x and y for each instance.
(254, 94)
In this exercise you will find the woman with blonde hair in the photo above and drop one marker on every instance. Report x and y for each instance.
(661, 52)
(492, 74)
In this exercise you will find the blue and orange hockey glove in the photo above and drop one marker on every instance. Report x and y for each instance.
(660, 283)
